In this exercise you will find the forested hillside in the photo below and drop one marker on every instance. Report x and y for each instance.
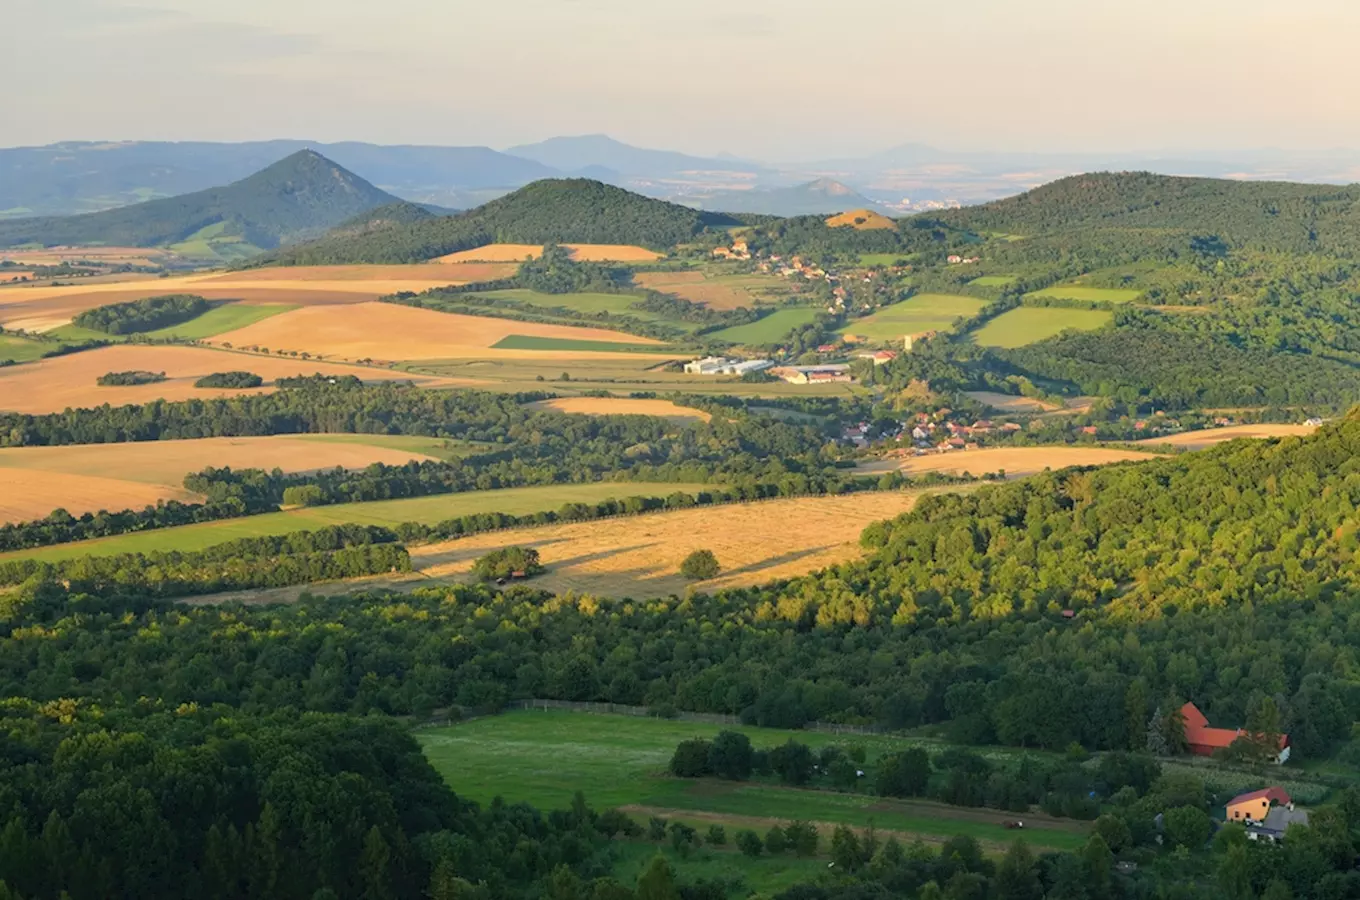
(298, 197)
(565, 210)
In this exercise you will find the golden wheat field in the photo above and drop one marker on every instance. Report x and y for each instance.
(89, 477)
(51, 385)
(1198, 440)
(493, 253)
(640, 556)
(722, 292)
(386, 331)
(624, 406)
(1014, 461)
(861, 220)
(44, 307)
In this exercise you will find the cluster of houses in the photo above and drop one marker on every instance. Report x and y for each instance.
(933, 434)
(956, 260)
(723, 365)
(799, 267)
(831, 373)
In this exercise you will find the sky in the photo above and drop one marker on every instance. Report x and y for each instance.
(779, 80)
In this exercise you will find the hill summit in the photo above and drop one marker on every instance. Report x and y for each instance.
(296, 198)
(571, 210)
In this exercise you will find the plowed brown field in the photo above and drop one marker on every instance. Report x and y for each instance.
(1198, 440)
(1014, 461)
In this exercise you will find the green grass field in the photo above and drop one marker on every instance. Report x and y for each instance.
(75, 334)
(220, 320)
(1088, 294)
(884, 259)
(213, 243)
(588, 304)
(764, 876)
(619, 761)
(924, 312)
(1030, 324)
(994, 280)
(442, 448)
(512, 501)
(769, 329)
(19, 350)
(530, 342)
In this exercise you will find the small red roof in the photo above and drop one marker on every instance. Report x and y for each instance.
(1273, 794)
(1199, 733)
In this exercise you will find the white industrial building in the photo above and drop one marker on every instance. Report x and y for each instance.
(722, 365)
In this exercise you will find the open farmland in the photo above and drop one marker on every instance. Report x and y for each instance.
(716, 291)
(624, 406)
(769, 329)
(17, 349)
(387, 331)
(579, 252)
(918, 314)
(429, 510)
(1011, 403)
(51, 385)
(84, 478)
(1031, 324)
(1088, 294)
(639, 556)
(542, 756)
(585, 303)
(1016, 462)
(1209, 437)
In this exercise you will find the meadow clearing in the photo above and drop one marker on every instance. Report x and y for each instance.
(885, 259)
(716, 290)
(1209, 437)
(579, 252)
(861, 220)
(587, 303)
(1016, 462)
(543, 756)
(915, 315)
(624, 406)
(640, 556)
(994, 280)
(388, 331)
(429, 510)
(1088, 294)
(83, 478)
(61, 382)
(1031, 324)
(769, 329)
(1010, 403)
(17, 349)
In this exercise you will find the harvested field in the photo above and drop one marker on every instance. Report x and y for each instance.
(53, 384)
(434, 273)
(861, 220)
(386, 331)
(1016, 462)
(624, 406)
(716, 292)
(640, 556)
(1198, 440)
(137, 474)
(769, 329)
(1010, 403)
(579, 252)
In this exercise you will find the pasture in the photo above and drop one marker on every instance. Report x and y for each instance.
(61, 382)
(590, 304)
(1088, 294)
(770, 329)
(1010, 403)
(623, 406)
(994, 280)
(1209, 437)
(1016, 462)
(714, 289)
(885, 259)
(17, 349)
(1031, 324)
(85, 478)
(861, 220)
(918, 314)
(221, 319)
(512, 501)
(624, 253)
(639, 556)
(387, 331)
(542, 756)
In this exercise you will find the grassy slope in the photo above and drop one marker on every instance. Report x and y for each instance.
(589, 304)
(1030, 324)
(20, 350)
(543, 757)
(1090, 294)
(924, 312)
(532, 342)
(221, 320)
(769, 329)
(513, 501)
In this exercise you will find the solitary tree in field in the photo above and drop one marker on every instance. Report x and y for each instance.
(700, 565)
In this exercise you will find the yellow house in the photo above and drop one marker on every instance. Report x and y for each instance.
(1255, 805)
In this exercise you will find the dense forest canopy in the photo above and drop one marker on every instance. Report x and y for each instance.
(561, 210)
(298, 197)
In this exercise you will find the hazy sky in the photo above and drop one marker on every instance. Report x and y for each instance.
(781, 79)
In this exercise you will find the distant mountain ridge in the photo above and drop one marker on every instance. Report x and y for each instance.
(584, 153)
(566, 210)
(821, 197)
(293, 199)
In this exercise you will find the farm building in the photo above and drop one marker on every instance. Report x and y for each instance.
(721, 365)
(1253, 806)
(880, 357)
(813, 374)
(1203, 739)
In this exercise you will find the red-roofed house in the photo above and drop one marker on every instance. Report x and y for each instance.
(1254, 806)
(1204, 739)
